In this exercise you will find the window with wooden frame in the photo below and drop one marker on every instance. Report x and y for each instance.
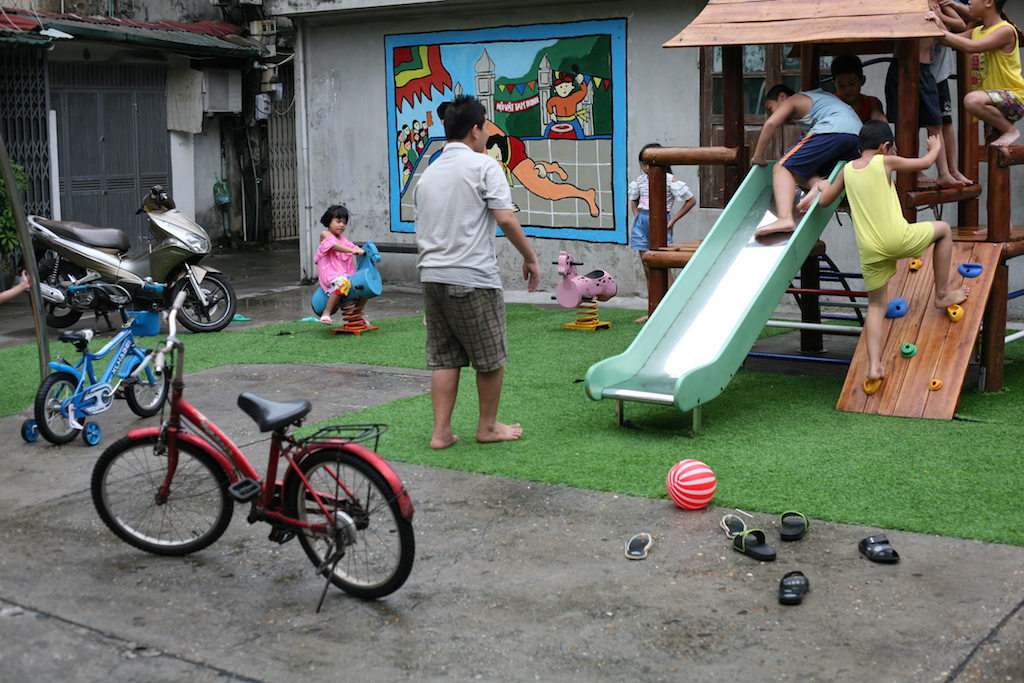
(764, 66)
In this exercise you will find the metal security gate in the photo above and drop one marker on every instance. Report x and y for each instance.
(112, 141)
(284, 193)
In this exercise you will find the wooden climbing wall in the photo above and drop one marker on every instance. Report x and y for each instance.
(944, 348)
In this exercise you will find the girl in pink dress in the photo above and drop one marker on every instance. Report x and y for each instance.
(335, 258)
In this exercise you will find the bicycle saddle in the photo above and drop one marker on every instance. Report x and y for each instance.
(272, 415)
(76, 336)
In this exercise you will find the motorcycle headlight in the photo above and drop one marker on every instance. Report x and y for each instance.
(198, 244)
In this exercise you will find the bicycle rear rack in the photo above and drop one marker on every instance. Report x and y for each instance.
(357, 433)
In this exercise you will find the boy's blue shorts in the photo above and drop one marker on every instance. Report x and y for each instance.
(929, 107)
(817, 153)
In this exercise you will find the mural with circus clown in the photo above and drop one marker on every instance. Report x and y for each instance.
(554, 94)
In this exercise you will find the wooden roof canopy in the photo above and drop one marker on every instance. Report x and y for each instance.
(768, 22)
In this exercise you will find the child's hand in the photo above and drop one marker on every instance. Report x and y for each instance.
(933, 142)
(759, 160)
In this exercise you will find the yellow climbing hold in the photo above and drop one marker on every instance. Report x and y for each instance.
(871, 385)
(915, 264)
(955, 312)
(935, 385)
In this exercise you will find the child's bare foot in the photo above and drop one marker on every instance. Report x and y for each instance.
(780, 225)
(922, 179)
(952, 296)
(962, 178)
(1008, 138)
(444, 441)
(499, 432)
(948, 180)
(876, 372)
(808, 199)
(983, 231)
(641, 319)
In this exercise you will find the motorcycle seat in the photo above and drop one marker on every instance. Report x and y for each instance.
(100, 238)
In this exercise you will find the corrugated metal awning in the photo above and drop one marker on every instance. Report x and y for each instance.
(210, 38)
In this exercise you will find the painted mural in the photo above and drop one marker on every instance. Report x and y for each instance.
(555, 97)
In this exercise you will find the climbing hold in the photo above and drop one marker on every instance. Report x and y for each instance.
(935, 385)
(955, 312)
(908, 350)
(915, 264)
(871, 385)
(897, 308)
(970, 269)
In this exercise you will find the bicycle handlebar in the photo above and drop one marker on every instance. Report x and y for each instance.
(158, 356)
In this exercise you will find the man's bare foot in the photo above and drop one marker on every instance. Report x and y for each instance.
(439, 442)
(780, 225)
(499, 432)
(808, 199)
(1008, 138)
(953, 296)
(948, 180)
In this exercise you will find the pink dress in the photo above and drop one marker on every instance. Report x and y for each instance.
(330, 263)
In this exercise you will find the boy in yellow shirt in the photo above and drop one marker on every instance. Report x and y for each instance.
(883, 234)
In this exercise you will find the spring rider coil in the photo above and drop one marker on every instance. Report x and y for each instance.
(582, 292)
(365, 284)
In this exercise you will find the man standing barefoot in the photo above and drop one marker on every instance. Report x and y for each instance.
(458, 200)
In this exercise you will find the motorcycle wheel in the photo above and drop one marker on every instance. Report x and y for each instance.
(213, 317)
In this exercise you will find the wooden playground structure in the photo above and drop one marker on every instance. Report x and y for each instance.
(819, 28)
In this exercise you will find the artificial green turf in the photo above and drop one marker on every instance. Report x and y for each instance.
(775, 442)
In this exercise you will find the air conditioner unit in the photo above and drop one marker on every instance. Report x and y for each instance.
(263, 27)
(222, 91)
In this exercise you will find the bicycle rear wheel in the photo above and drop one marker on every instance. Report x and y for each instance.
(378, 546)
(52, 422)
(146, 395)
(126, 482)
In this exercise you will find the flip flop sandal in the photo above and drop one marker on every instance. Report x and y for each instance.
(878, 549)
(752, 543)
(733, 525)
(794, 526)
(793, 587)
(637, 547)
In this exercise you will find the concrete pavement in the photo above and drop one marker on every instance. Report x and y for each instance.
(513, 580)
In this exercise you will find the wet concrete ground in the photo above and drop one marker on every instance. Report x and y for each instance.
(513, 580)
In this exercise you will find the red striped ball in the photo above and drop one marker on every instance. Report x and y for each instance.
(690, 484)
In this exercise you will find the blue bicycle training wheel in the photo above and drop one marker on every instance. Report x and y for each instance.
(91, 433)
(29, 430)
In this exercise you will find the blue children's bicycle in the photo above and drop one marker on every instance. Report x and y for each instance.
(73, 393)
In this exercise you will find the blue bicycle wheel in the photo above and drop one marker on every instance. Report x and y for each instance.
(91, 433)
(29, 430)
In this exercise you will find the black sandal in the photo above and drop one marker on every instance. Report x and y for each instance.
(878, 549)
(752, 543)
(793, 587)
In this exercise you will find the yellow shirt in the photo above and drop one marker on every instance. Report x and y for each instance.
(995, 69)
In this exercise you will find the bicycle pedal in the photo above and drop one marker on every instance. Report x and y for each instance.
(244, 490)
(281, 535)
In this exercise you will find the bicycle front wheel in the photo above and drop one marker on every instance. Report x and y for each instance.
(146, 395)
(126, 485)
(53, 423)
(377, 547)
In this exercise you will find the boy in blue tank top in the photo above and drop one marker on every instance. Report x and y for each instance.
(830, 128)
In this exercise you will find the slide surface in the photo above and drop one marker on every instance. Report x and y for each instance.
(711, 316)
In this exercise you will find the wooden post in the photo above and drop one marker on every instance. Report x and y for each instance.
(732, 105)
(657, 279)
(908, 73)
(811, 341)
(967, 140)
(810, 66)
(993, 338)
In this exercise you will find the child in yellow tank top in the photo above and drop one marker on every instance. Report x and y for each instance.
(998, 100)
(883, 234)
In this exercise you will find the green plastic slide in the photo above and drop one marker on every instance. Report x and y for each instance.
(710, 318)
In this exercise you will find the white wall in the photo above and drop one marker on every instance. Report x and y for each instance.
(347, 131)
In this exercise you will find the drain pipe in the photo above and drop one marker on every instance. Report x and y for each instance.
(302, 132)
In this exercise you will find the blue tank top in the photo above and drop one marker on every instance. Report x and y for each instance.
(828, 114)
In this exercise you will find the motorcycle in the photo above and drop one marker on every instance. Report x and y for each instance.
(73, 253)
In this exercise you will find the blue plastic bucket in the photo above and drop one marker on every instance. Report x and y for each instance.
(145, 323)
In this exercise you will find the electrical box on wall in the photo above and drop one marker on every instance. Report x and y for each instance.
(263, 28)
(222, 91)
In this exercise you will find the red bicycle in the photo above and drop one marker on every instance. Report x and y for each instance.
(171, 489)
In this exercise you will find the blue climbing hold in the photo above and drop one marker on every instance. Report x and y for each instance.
(897, 308)
(970, 269)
